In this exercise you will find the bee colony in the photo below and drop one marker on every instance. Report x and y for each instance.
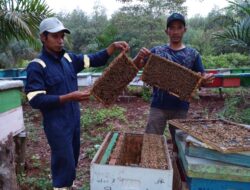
(114, 79)
(224, 136)
(132, 161)
(170, 76)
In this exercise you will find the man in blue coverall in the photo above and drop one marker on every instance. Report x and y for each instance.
(165, 106)
(52, 87)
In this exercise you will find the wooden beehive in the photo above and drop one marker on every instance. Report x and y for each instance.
(123, 168)
(223, 136)
(114, 79)
(170, 76)
(147, 151)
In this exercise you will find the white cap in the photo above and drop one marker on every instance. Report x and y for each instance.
(52, 25)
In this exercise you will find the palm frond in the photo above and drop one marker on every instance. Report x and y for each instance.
(239, 35)
(19, 19)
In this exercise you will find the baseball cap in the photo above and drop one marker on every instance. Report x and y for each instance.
(52, 25)
(176, 16)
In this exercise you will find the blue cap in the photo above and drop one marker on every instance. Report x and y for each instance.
(174, 17)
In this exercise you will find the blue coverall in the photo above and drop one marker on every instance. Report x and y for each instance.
(49, 77)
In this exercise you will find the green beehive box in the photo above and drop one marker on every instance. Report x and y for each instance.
(245, 79)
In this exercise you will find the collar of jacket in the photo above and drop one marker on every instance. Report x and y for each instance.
(48, 54)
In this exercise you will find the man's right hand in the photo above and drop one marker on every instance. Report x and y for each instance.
(139, 58)
(75, 96)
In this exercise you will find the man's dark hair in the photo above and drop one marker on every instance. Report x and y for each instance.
(46, 33)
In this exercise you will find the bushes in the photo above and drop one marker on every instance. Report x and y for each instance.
(231, 60)
(236, 109)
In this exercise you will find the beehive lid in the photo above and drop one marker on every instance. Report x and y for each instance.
(222, 135)
(8, 84)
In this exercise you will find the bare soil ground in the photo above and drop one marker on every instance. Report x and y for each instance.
(36, 174)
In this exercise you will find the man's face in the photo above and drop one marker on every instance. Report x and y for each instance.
(175, 31)
(53, 42)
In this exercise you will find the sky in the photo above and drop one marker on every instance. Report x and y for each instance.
(194, 6)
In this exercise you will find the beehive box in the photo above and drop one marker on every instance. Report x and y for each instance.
(170, 76)
(122, 163)
(245, 79)
(232, 80)
(10, 107)
(217, 82)
(221, 135)
(114, 79)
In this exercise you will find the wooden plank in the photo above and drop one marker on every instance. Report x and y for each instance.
(9, 99)
(11, 122)
(206, 184)
(209, 169)
(109, 149)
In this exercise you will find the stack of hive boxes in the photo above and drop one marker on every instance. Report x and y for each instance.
(213, 154)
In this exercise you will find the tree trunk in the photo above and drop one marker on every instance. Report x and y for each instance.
(8, 179)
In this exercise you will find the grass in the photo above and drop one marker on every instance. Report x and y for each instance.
(235, 109)
(40, 181)
(99, 116)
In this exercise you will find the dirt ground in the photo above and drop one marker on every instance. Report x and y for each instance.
(37, 164)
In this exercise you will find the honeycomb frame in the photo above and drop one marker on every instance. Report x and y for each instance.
(170, 76)
(114, 79)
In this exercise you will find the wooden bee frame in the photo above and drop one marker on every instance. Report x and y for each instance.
(170, 76)
(114, 79)
(153, 154)
(221, 135)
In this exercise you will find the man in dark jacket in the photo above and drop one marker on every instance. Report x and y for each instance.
(165, 106)
(52, 87)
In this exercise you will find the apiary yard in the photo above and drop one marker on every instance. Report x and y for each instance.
(37, 165)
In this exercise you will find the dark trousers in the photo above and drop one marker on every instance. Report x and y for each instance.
(64, 142)
(158, 118)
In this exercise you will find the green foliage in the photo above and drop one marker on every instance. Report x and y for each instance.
(245, 116)
(231, 60)
(237, 34)
(235, 109)
(19, 19)
(98, 116)
(34, 183)
(41, 181)
(146, 93)
(86, 186)
(90, 152)
(230, 111)
(36, 161)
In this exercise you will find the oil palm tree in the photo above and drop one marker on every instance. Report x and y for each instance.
(19, 19)
(237, 34)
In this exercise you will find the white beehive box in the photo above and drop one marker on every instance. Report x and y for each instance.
(120, 177)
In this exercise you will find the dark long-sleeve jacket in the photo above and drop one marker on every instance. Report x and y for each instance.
(48, 77)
